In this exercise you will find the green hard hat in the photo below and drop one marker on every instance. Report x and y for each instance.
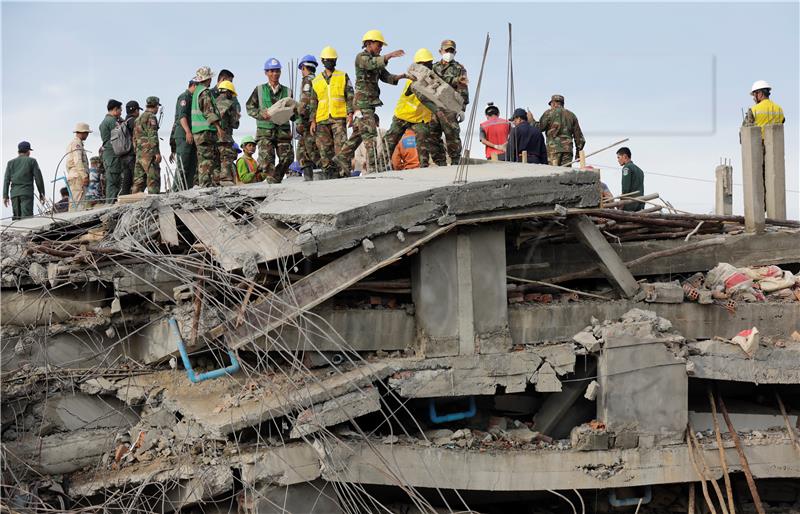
(248, 139)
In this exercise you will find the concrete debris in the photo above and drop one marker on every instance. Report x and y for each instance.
(663, 292)
(591, 390)
(587, 339)
(433, 88)
(748, 340)
(589, 437)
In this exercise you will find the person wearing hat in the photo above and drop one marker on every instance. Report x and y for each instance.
(494, 132)
(332, 110)
(525, 138)
(561, 127)
(78, 166)
(222, 76)
(128, 161)
(446, 123)
(370, 68)
(307, 152)
(272, 139)
(111, 162)
(246, 165)
(21, 172)
(765, 111)
(148, 155)
(181, 141)
(206, 129)
(230, 111)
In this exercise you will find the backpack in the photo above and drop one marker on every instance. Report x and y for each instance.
(121, 139)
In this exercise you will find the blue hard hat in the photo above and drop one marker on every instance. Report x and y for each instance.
(272, 64)
(307, 59)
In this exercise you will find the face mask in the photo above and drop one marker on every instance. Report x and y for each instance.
(448, 56)
(329, 64)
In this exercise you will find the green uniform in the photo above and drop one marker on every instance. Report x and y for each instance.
(229, 113)
(204, 115)
(331, 132)
(632, 181)
(111, 162)
(561, 128)
(369, 70)
(445, 123)
(186, 153)
(307, 152)
(145, 142)
(21, 172)
(271, 139)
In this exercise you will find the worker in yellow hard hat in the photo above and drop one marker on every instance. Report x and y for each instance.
(370, 68)
(332, 108)
(229, 113)
(413, 112)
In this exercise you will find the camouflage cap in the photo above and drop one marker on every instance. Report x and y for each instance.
(448, 43)
(203, 74)
(556, 98)
(152, 101)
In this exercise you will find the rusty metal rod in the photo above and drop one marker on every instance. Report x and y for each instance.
(742, 457)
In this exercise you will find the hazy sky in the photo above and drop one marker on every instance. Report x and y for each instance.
(673, 77)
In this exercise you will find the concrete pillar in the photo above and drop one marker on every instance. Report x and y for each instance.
(752, 178)
(724, 194)
(774, 172)
(467, 268)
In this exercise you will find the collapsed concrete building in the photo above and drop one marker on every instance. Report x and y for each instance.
(400, 343)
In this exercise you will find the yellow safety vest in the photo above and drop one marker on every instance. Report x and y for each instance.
(410, 109)
(767, 112)
(332, 103)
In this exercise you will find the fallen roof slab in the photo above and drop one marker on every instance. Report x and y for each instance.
(718, 360)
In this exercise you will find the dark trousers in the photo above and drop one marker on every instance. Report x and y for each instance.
(22, 207)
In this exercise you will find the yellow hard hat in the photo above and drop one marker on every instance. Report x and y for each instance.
(423, 55)
(227, 84)
(374, 35)
(328, 53)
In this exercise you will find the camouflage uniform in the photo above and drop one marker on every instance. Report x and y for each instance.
(229, 113)
(369, 70)
(274, 140)
(145, 142)
(307, 153)
(561, 127)
(444, 122)
(331, 134)
(421, 130)
(208, 164)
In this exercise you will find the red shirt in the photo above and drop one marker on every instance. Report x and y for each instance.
(495, 130)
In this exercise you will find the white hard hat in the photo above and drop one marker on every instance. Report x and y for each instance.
(760, 84)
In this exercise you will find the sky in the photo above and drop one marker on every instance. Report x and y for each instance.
(674, 78)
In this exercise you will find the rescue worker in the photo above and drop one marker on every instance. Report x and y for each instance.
(765, 111)
(561, 127)
(405, 156)
(447, 123)
(272, 139)
(222, 77)
(148, 155)
(332, 108)
(412, 112)
(78, 167)
(128, 161)
(230, 111)
(62, 205)
(494, 133)
(21, 172)
(370, 68)
(246, 165)
(111, 162)
(632, 179)
(307, 152)
(182, 141)
(206, 129)
(524, 137)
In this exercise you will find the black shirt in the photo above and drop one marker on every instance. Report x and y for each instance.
(526, 138)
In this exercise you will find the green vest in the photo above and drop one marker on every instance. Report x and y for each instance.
(199, 121)
(265, 101)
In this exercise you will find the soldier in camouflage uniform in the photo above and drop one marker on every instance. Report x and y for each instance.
(229, 113)
(447, 123)
(370, 68)
(561, 128)
(206, 129)
(332, 110)
(307, 152)
(272, 139)
(148, 155)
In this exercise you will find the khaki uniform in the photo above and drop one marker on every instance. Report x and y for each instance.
(77, 173)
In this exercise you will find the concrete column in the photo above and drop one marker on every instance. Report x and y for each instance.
(752, 178)
(774, 172)
(724, 194)
(468, 270)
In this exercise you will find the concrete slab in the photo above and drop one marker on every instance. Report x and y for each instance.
(718, 360)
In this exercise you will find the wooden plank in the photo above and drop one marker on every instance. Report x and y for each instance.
(167, 226)
(613, 267)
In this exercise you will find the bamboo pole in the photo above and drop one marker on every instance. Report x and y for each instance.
(723, 461)
(742, 457)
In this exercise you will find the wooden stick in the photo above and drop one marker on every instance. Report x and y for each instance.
(697, 470)
(690, 510)
(612, 145)
(742, 457)
(244, 303)
(792, 435)
(561, 288)
(707, 472)
(722, 219)
(723, 461)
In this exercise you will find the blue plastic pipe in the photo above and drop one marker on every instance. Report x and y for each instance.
(453, 416)
(208, 375)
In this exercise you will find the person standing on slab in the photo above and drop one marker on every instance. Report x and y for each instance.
(206, 128)
(128, 161)
(182, 142)
(632, 179)
(21, 172)
(331, 106)
(446, 123)
(494, 133)
(229, 113)
(111, 162)
(525, 138)
(561, 127)
(78, 166)
(147, 172)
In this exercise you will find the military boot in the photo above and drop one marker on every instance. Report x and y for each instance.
(308, 173)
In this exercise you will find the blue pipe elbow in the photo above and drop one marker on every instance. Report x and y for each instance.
(208, 375)
(453, 416)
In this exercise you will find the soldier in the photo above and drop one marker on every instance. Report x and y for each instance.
(78, 166)
(561, 127)
(446, 123)
(332, 109)
(632, 179)
(206, 129)
(272, 139)
(370, 68)
(307, 152)
(222, 77)
(111, 162)
(182, 141)
(148, 155)
(21, 172)
(229, 113)
(128, 161)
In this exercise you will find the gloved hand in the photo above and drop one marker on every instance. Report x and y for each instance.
(460, 117)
